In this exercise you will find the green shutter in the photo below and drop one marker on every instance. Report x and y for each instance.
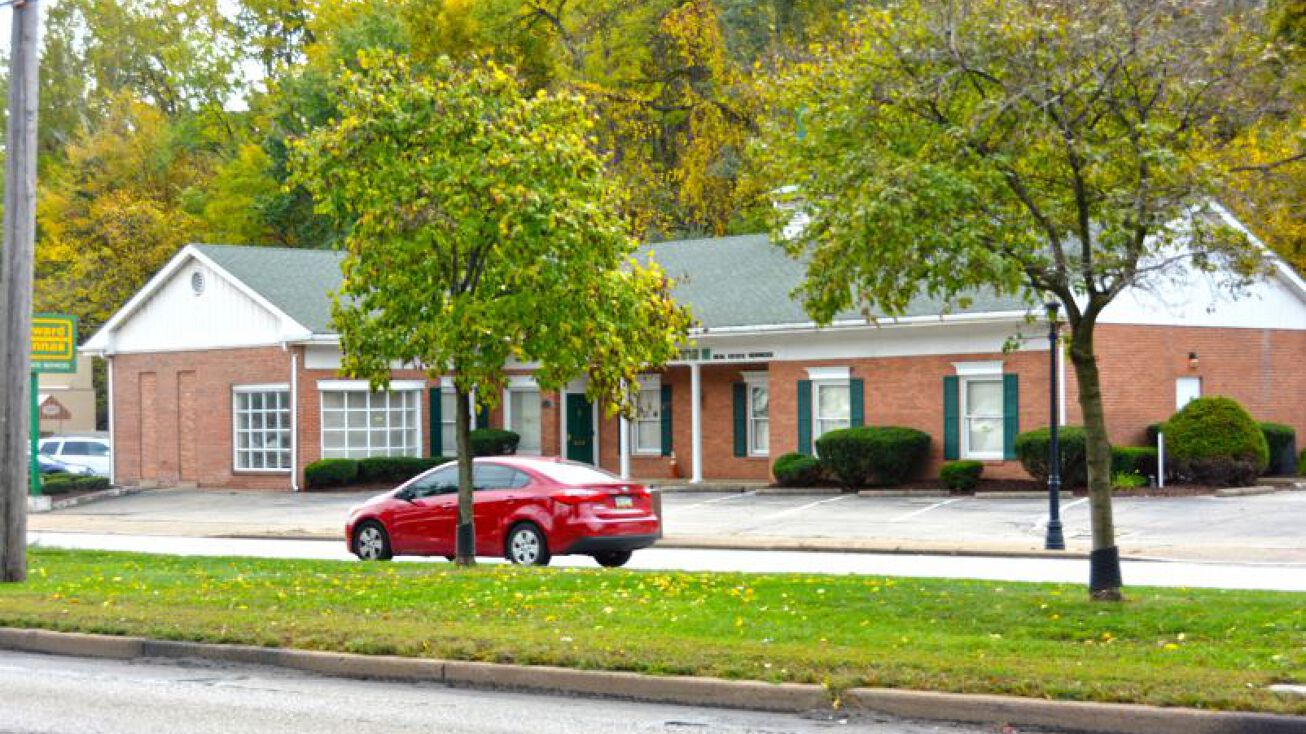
(856, 404)
(951, 421)
(805, 417)
(483, 417)
(1010, 414)
(437, 417)
(741, 418)
(666, 420)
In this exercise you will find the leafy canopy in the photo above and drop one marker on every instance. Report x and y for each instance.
(482, 229)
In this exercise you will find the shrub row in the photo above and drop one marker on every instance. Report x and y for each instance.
(1033, 448)
(397, 469)
(61, 483)
(857, 457)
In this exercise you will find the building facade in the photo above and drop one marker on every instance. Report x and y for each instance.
(224, 372)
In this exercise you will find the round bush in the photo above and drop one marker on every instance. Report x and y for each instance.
(796, 470)
(886, 455)
(1282, 442)
(1032, 448)
(493, 442)
(1214, 441)
(330, 473)
(961, 476)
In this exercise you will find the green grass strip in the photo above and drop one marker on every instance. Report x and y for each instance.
(1176, 647)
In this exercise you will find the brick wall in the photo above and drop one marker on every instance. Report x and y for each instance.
(154, 429)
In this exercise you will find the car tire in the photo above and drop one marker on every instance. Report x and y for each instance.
(371, 542)
(526, 546)
(612, 559)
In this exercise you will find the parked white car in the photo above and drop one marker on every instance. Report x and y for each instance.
(88, 451)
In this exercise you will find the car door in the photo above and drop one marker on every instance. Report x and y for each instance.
(92, 454)
(498, 492)
(424, 524)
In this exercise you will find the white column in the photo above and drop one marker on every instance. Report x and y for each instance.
(696, 420)
(623, 431)
(113, 447)
(294, 420)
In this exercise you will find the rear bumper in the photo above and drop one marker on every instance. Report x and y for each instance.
(602, 543)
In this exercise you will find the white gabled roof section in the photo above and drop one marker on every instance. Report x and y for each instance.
(168, 315)
(1190, 297)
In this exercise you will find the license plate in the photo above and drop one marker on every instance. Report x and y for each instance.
(623, 501)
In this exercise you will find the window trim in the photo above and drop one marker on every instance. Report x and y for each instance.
(753, 381)
(963, 414)
(347, 386)
(523, 386)
(817, 384)
(237, 390)
(651, 385)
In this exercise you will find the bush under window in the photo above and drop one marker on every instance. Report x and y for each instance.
(330, 473)
(395, 469)
(961, 476)
(1033, 447)
(796, 470)
(493, 442)
(886, 455)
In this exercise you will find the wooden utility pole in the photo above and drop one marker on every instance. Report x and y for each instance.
(16, 290)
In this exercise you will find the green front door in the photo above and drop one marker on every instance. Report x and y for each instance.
(580, 429)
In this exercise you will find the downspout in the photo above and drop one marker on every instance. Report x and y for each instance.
(113, 464)
(294, 417)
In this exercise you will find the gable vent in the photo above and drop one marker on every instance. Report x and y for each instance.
(197, 282)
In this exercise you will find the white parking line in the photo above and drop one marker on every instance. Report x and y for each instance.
(934, 506)
(716, 500)
(808, 506)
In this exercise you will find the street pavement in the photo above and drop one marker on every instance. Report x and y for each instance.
(69, 695)
(1254, 529)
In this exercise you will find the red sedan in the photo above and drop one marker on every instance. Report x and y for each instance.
(526, 509)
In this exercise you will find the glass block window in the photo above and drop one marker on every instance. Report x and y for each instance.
(261, 428)
(357, 424)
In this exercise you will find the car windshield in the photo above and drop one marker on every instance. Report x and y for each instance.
(567, 472)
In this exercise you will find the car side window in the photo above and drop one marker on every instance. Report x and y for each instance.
(96, 449)
(494, 476)
(519, 480)
(76, 448)
(441, 481)
(50, 449)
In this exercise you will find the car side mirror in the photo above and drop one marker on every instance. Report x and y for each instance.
(406, 495)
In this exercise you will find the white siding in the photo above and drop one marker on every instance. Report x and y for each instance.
(1194, 298)
(176, 319)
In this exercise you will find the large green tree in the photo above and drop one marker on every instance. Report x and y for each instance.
(1057, 148)
(482, 228)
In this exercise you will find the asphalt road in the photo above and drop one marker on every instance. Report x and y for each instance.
(1280, 577)
(67, 695)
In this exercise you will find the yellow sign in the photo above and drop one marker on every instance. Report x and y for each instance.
(54, 342)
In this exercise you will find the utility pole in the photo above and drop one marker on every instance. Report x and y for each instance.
(16, 289)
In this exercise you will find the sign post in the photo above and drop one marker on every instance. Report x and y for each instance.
(54, 350)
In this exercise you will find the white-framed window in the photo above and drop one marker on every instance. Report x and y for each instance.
(646, 429)
(358, 423)
(832, 404)
(758, 414)
(261, 427)
(982, 428)
(448, 421)
(522, 416)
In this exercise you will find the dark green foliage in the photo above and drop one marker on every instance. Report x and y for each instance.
(493, 442)
(330, 473)
(962, 475)
(1140, 460)
(1152, 430)
(1282, 443)
(1301, 464)
(90, 483)
(1032, 448)
(1214, 441)
(863, 455)
(58, 483)
(796, 470)
(395, 468)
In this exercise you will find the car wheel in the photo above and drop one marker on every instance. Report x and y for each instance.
(526, 546)
(612, 559)
(371, 543)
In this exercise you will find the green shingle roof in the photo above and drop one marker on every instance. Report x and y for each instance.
(726, 281)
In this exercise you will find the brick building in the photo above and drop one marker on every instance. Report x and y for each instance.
(223, 372)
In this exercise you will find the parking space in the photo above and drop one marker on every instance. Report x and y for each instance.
(1265, 528)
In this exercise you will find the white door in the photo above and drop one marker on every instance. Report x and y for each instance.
(1186, 389)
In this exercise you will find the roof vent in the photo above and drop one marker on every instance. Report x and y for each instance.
(197, 282)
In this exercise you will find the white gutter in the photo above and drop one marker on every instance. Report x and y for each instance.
(113, 446)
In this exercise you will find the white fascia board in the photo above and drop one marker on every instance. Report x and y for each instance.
(930, 320)
(364, 386)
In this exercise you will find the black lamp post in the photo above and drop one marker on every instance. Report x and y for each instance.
(1055, 539)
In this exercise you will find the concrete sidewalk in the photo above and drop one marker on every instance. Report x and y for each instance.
(1247, 529)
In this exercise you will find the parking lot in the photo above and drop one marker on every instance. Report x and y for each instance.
(1256, 529)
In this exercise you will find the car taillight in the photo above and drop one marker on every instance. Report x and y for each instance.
(580, 496)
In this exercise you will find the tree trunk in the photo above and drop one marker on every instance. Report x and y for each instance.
(466, 537)
(1104, 572)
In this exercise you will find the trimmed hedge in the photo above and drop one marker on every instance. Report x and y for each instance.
(1282, 443)
(1140, 460)
(493, 442)
(1301, 464)
(961, 476)
(62, 483)
(395, 469)
(1214, 441)
(330, 473)
(796, 470)
(885, 455)
(1032, 448)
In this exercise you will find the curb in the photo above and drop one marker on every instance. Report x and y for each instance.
(95, 497)
(1250, 491)
(1019, 495)
(851, 545)
(1101, 718)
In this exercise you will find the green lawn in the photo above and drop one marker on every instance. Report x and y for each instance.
(1188, 647)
